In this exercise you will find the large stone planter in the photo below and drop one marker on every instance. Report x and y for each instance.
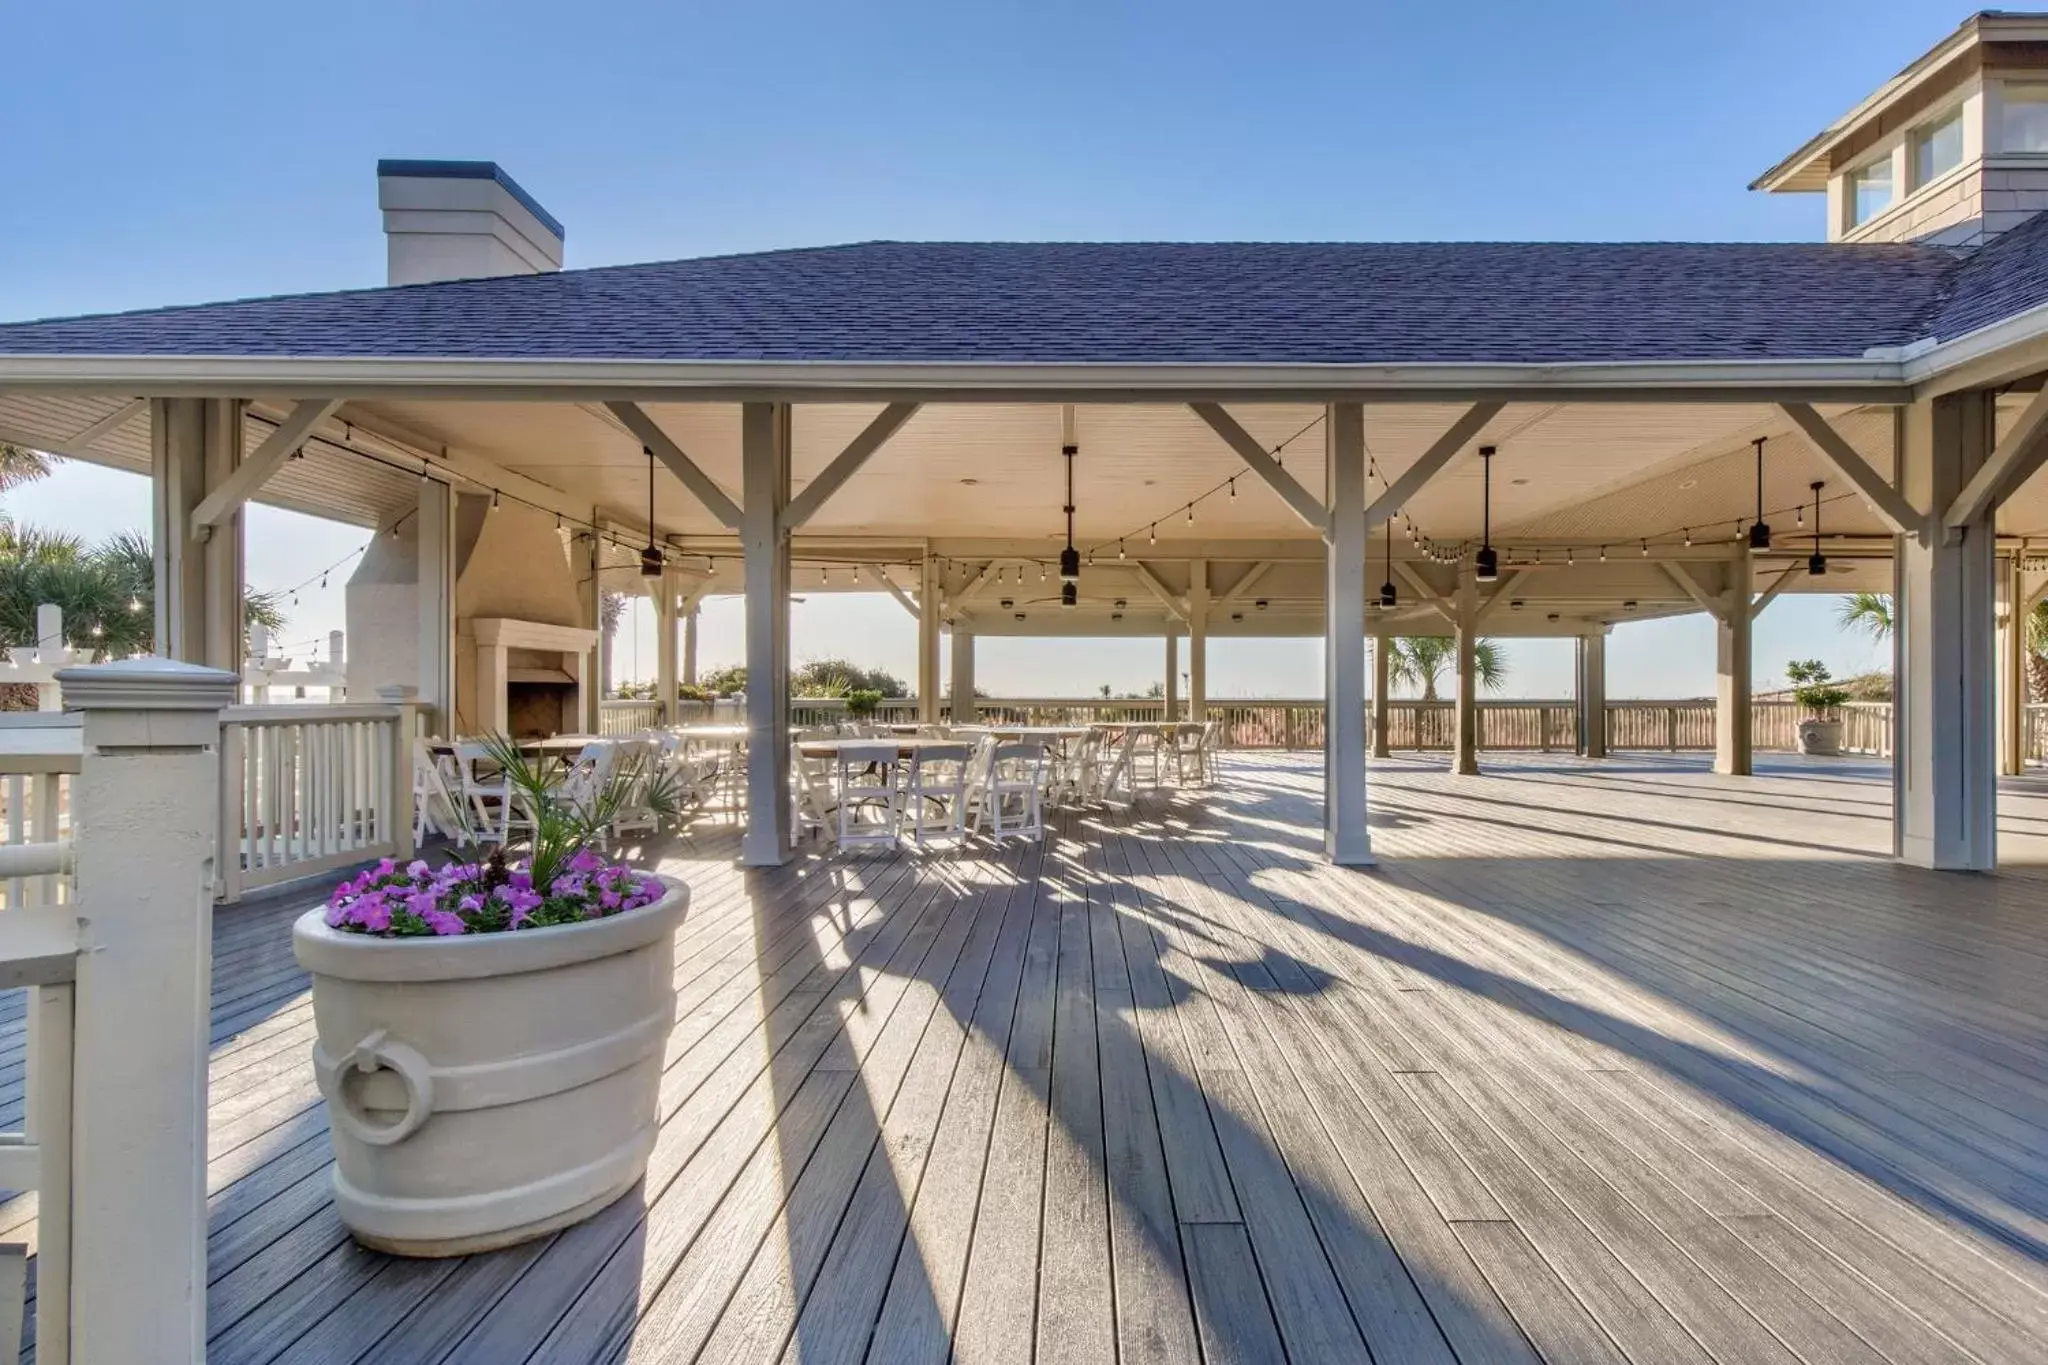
(1820, 738)
(486, 1089)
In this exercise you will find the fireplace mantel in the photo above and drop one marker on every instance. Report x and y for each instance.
(497, 636)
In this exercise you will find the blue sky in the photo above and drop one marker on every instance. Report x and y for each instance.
(162, 154)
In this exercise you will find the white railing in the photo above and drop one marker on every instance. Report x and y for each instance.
(40, 755)
(2036, 733)
(307, 789)
(38, 758)
(627, 715)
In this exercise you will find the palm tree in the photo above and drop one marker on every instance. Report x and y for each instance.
(107, 591)
(1869, 612)
(20, 465)
(1423, 660)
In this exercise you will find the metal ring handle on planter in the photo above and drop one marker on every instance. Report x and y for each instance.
(378, 1053)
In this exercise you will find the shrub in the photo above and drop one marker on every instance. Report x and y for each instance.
(863, 702)
(1814, 687)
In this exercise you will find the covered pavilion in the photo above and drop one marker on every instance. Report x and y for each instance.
(1179, 1082)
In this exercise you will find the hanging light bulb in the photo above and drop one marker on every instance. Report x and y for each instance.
(1688, 537)
(1152, 538)
(1191, 514)
(1817, 563)
(1759, 532)
(1568, 555)
(1041, 573)
(135, 603)
(1070, 594)
(98, 630)
(494, 499)
(1233, 490)
(1120, 550)
(1486, 564)
(1799, 514)
(856, 575)
(824, 575)
(1603, 554)
(1646, 549)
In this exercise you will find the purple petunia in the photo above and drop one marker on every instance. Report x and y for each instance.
(467, 898)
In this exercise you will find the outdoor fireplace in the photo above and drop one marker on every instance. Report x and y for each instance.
(529, 677)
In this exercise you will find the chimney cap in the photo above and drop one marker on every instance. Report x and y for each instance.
(409, 169)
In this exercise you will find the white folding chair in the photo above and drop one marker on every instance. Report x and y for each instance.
(935, 791)
(812, 806)
(435, 807)
(640, 759)
(1080, 771)
(486, 793)
(1189, 753)
(1016, 792)
(1144, 765)
(867, 794)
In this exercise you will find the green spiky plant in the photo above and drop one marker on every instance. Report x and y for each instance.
(562, 828)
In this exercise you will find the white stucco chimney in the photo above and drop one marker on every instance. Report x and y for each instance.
(462, 220)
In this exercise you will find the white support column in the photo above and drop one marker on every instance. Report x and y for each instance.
(1593, 694)
(196, 445)
(1945, 705)
(1734, 663)
(928, 641)
(667, 646)
(1465, 736)
(1198, 641)
(145, 804)
(1346, 840)
(690, 644)
(764, 543)
(965, 709)
(2012, 667)
(1172, 707)
(1382, 684)
(435, 579)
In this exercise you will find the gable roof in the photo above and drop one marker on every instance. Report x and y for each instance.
(1134, 303)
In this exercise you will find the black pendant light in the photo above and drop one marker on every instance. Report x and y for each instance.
(1759, 532)
(1388, 598)
(650, 558)
(1070, 558)
(1817, 563)
(1486, 564)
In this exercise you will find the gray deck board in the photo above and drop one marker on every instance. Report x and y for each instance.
(1605, 1062)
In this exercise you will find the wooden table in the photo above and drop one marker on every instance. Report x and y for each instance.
(906, 745)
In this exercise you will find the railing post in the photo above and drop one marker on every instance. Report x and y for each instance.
(1671, 728)
(145, 808)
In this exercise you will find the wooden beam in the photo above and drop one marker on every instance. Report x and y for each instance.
(1892, 507)
(848, 462)
(1446, 448)
(1430, 596)
(1245, 583)
(255, 470)
(903, 598)
(1151, 580)
(655, 440)
(1681, 574)
(1502, 594)
(2012, 463)
(87, 437)
(1763, 599)
(1261, 462)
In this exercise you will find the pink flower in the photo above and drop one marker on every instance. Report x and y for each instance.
(373, 913)
(445, 922)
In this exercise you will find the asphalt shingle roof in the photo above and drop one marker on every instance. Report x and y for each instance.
(1244, 303)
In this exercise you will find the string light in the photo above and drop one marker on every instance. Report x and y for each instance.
(1154, 536)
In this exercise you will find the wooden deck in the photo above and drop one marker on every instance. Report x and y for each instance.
(1607, 1062)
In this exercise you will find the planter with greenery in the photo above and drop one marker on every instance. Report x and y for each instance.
(1814, 688)
(490, 1033)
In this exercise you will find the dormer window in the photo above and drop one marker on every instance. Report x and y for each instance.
(1937, 148)
(2023, 119)
(1870, 190)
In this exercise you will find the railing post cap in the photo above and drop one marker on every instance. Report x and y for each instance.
(147, 684)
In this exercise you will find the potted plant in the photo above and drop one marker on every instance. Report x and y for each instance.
(862, 703)
(1814, 688)
(490, 1033)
